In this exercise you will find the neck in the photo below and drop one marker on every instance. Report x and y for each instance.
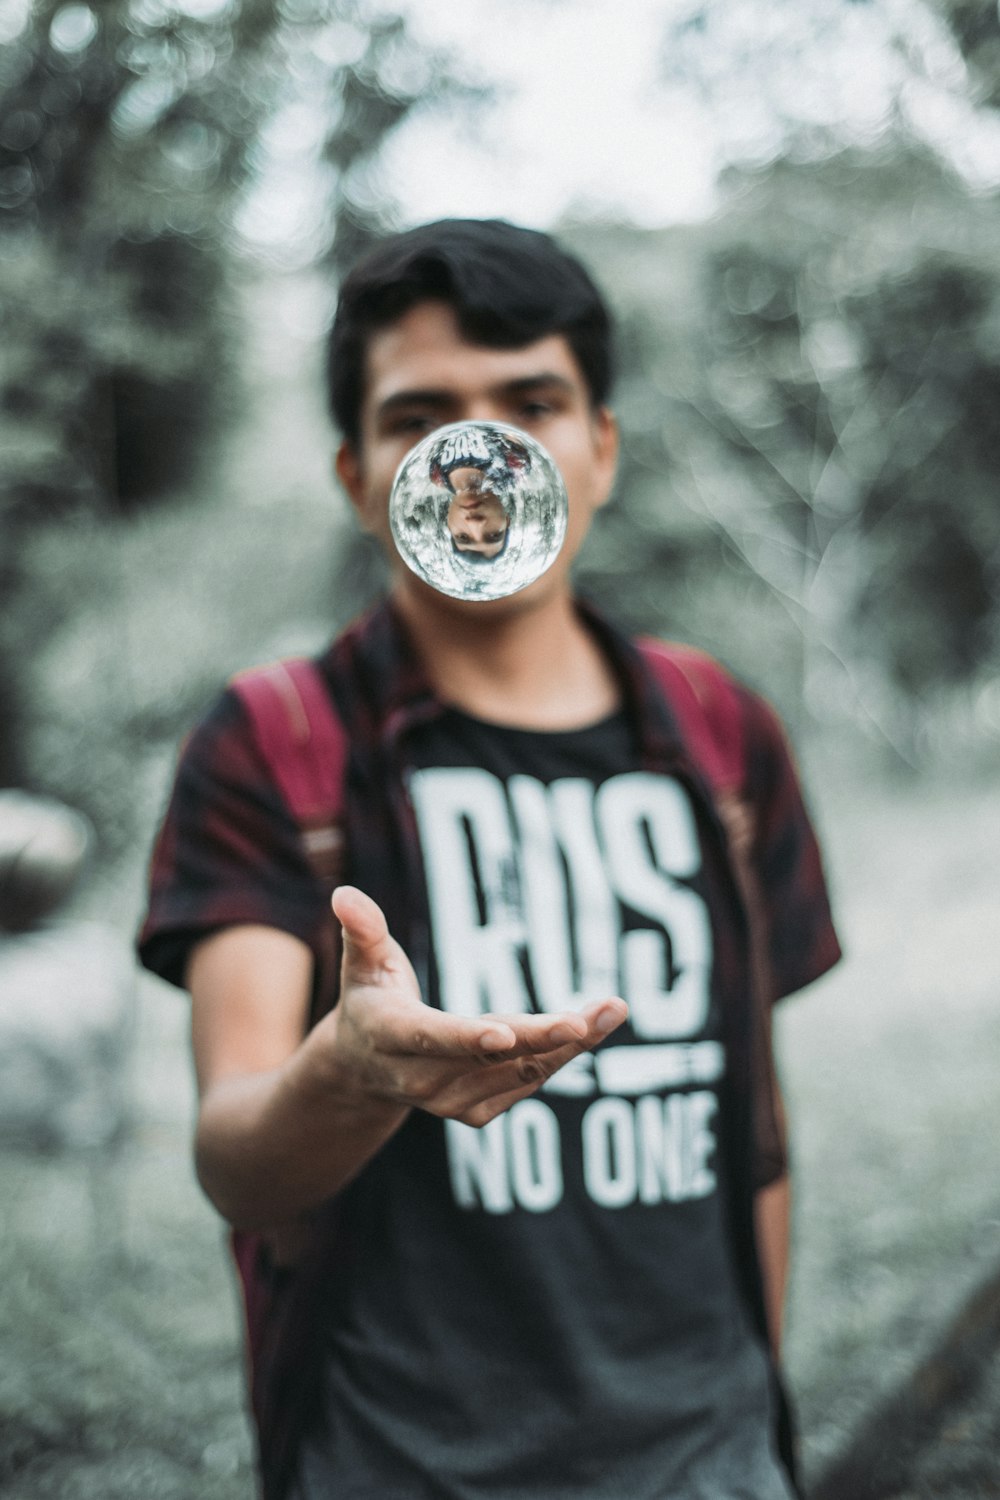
(524, 661)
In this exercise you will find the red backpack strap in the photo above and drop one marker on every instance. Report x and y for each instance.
(298, 733)
(304, 744)
(707, 704)
(305, 747)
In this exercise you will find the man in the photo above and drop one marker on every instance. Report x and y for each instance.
(537, 1258)
(478, 466)
(476, 518)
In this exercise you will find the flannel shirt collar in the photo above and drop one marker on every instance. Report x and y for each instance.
(397, 694)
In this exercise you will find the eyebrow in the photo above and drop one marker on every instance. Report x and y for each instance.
(414, 398)
(440, 398)
(535, 382)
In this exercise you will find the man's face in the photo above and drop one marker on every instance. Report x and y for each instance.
(422, 373)
(476, 517)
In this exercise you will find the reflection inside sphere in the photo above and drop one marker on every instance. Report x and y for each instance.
(478, 510)
(478, 523)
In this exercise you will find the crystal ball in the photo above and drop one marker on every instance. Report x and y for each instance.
(478, 510)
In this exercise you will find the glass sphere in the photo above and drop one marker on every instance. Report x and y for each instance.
(478, 510)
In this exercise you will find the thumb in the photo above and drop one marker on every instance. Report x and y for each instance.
(366, 933)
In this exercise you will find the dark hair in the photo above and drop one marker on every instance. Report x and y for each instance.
(498, 455)
(508, 287)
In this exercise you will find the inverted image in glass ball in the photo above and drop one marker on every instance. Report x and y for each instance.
(478, 510)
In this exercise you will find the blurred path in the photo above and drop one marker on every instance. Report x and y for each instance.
(939, 1434)
(894, 1095)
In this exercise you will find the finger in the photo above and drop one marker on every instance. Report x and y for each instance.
(516, 1080)
(496, 1104)
(366, 933)
(603, 1017)
(476, 1100)
(542, 1034)
(417, 1030)
(493, 1038)
(501, 1038)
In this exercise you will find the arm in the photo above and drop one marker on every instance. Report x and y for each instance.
(772, 1214)
(288, 1117)
(796, 943)
(772, 1219)
(269, 1137)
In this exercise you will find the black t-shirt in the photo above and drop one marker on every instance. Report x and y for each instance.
(547, 1308)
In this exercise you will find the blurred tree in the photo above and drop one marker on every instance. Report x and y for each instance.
(809, 396)
(124, 133)
(845, 428)
(930, 366)
(975, 25)
(130, 132)
(865, 429)
(856, 434)
(807, 77)
(391, 80)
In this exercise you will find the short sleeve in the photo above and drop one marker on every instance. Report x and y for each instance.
(228, 850)
(801, 941)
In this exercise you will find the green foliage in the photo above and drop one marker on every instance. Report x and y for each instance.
(125, 129)
(124, 134)
(931, 361)
(810, 395)
(868, 420)
(975, 25)
(392, 80)
(129, 130)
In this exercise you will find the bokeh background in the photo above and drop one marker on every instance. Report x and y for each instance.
(794, 206)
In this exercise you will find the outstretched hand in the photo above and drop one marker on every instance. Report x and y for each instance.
(389, 1046)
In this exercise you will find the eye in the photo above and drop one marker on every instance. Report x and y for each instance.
(412, 424)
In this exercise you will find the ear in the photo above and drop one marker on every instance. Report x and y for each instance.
(347, 467)
(605, 429)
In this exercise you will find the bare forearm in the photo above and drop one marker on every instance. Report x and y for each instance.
(286, 1121)
(772, 1217)
(271, 1145)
